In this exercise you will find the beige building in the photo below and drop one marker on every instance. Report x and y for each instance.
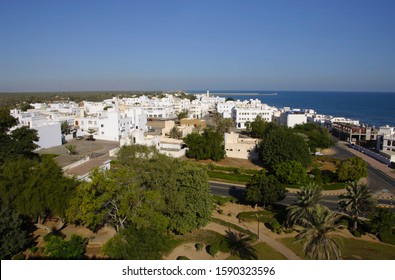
(240, 147)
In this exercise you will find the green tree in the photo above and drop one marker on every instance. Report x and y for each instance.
(71, 149)
(91, 132)
(65, 127)
(240, 245)
(26, 107)
(291, 172)
(357, 200)
(197, 204)
(114, 197)
(319, 235)
(175, 133)
(6, 120)
(281, 145)
(138, 244)
(307, 200)
(58, 248)
(182, 115)
(183, 186)
(352, 169)
(382, 220)
(14, 234)
(209, 145)
(264, 190)
(258, 127)
(318, 136)
(225, 125)
(36, 188)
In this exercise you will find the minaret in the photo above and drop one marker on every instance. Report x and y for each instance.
(208, 93)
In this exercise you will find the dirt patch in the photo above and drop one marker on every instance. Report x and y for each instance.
(96, 240)
(188, 250)
(229, 162)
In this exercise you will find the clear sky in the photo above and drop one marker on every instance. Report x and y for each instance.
(147, 45)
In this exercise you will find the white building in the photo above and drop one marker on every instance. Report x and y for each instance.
(249, 112)
(240, 147)
(112, 124)
(292, 118)
(225, 108)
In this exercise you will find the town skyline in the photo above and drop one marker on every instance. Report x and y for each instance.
(129, 45)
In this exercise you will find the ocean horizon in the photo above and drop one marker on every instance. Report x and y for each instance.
(372, 108)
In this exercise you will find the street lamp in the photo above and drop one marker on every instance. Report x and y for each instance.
(257, 218)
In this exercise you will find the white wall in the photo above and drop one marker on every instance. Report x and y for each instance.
(50, 135)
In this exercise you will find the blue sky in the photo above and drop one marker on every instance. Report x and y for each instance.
(147, 45)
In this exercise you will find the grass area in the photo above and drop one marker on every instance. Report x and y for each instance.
(352, 249)
(231, 177)
(264, 252)
(325, 187)
(264, 216)
(222, 200)
(49, 155)
(233, 226)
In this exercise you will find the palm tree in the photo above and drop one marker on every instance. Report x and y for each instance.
(357, 200)
(308, 198)
(240, 245)
(318, 236)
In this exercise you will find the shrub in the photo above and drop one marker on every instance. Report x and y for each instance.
(275, 224)
(224, 247)
(33, 249)
(183, 258)
(49, 236)
(288, 230)
(220, 211)
(199, 246)
(387, 237)
(236, 171)
(220, 200)
(279, 230)
(212, 249)
(356, 233)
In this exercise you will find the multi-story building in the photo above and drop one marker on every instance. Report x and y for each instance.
(247, 113)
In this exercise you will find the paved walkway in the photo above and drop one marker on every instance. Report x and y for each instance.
(265, 234)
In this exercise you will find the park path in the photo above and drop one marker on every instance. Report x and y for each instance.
(265, 234)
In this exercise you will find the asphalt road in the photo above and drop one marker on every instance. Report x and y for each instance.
(377, 181)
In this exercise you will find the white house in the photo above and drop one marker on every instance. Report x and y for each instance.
(240, 147)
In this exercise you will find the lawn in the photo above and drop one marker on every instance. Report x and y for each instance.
(264, 252)
(352, 249)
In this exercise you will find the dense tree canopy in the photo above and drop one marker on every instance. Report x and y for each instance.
(208, 145)
(264, 190)
(282, 144)
(58, 248)
(382, 220)
(115, 198)
(176, 193)
(14, 233)
(19, 142)
(352, 169)
(36, 187)
(317, 135)
(291, 172)
(138, 244)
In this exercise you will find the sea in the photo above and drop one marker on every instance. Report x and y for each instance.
(370, 108)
